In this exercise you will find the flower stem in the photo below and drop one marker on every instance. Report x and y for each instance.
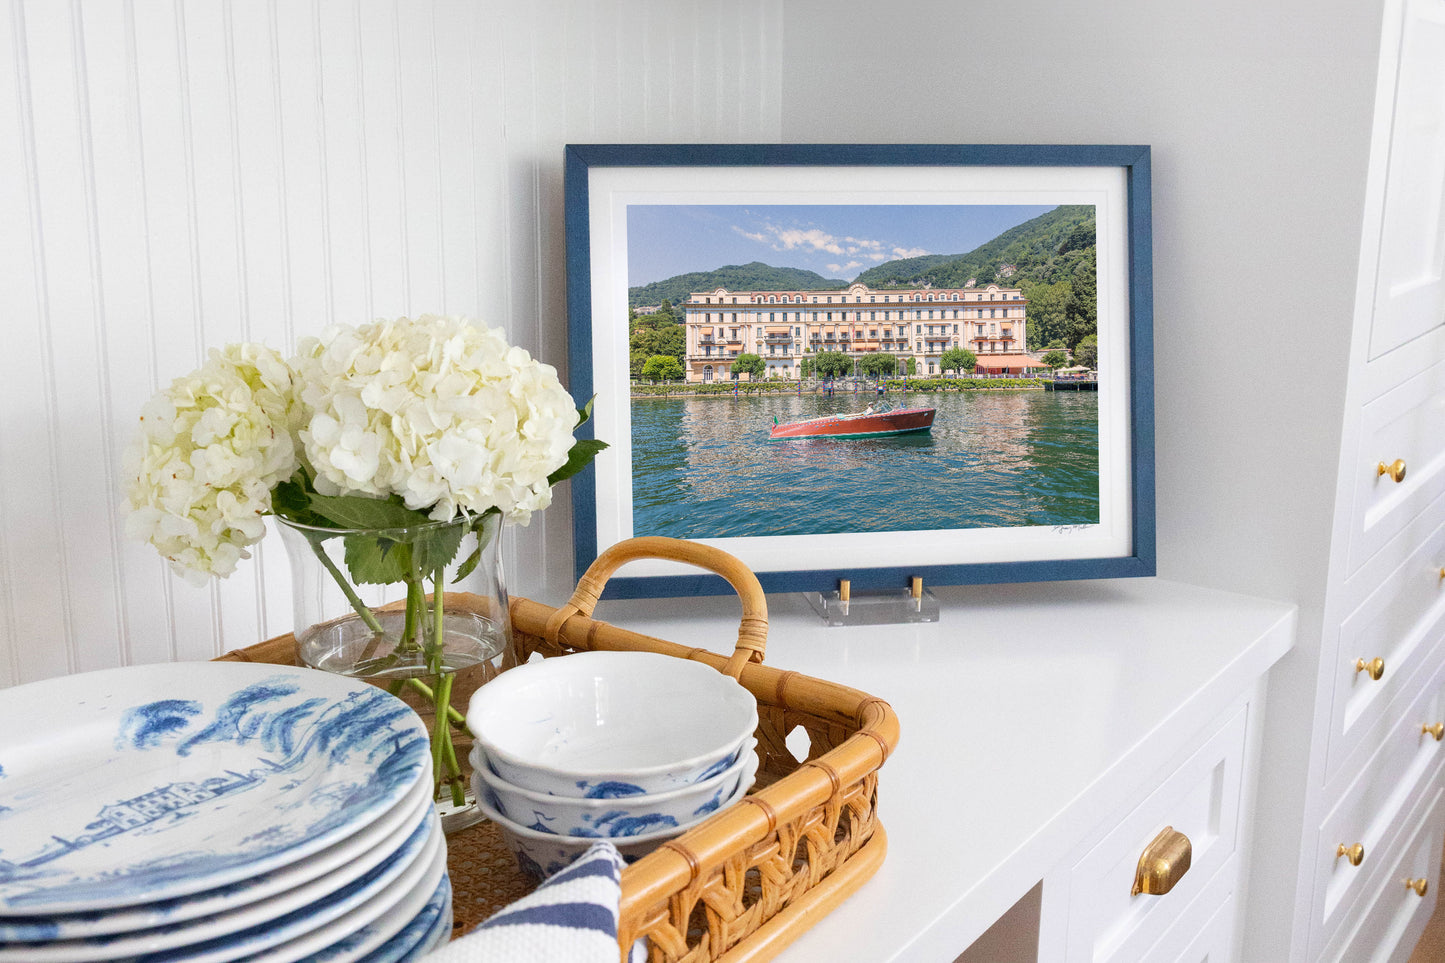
(361, 609)
(425, 691)
(444, 754)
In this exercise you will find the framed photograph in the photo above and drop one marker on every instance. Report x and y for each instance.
(864, 362)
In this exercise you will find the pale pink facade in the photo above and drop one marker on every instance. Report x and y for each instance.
(784, 327)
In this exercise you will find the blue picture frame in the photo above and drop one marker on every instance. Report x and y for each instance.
(587, 170)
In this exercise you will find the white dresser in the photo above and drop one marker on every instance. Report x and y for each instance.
(1050, 733)
(1370, 780)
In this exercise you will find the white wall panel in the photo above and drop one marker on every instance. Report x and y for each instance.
(181, 174)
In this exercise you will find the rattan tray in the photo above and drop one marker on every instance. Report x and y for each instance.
(750, 879)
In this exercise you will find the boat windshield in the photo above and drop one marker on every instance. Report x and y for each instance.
(878, 408)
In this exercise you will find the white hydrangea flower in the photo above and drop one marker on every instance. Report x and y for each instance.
(210, 448)
(439, 410)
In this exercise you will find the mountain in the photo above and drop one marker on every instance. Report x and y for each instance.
(1053, 247)
(756, 276)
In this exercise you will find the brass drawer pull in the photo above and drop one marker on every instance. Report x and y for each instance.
(1355, 854)
(1437, 730)
(1163, 863)
(1375, 668)
(1421, 886)
(1395, 469)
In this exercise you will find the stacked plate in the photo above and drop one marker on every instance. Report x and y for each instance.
(216, 811)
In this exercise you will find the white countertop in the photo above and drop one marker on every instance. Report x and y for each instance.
(1014, 709)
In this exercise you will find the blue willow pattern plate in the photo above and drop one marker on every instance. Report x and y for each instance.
(150, 782)
(333, 867)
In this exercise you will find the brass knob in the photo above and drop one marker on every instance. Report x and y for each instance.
(1395, 469)
(1163, 863)
(1375, 668)
(1437, 730)
(1355, 854)
(1421, 886)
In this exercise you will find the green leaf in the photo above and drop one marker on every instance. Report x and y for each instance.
(434, 549)
(377, 561)
(578, 458)
(290, 500)
(359, 511)
(479, 526)
(584, 414)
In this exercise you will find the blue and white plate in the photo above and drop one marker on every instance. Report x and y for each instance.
(248, 928)
(151, 782)
(428, 930)
(350, 939)
(333, 867)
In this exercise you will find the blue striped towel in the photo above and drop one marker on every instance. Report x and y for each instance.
(571, 917)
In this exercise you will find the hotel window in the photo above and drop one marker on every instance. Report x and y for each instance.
(955, 329)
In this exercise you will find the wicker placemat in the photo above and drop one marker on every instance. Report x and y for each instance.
(484, 875)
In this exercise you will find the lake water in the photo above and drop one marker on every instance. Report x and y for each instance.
(705, 468)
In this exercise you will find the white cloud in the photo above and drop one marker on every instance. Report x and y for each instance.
(814, 240)
(904, 252)
(850, 267)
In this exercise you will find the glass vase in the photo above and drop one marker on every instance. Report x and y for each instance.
(366, 606)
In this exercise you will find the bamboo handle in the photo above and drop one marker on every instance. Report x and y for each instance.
(752, 632)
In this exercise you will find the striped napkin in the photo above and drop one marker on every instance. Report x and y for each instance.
(571, 917)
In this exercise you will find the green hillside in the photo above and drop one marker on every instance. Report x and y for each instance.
(1053, 260)
(1049, 248)
(756, 276)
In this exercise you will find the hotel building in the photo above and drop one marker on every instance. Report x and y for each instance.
(785, 327)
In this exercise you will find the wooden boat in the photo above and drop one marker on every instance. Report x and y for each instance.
(874, 421)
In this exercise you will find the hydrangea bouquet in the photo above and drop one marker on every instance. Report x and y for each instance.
(394, 440)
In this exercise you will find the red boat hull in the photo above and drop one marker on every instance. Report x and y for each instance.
(899, 421)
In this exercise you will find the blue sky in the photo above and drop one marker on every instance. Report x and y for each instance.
(837, 241)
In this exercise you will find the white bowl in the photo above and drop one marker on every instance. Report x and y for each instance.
(608, 722)
(616, 816)
(541, 854)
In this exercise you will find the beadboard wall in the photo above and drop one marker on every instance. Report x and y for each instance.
(180, 174)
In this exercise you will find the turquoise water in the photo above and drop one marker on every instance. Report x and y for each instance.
(705, 468)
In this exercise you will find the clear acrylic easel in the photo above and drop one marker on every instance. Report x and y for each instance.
(888, 607)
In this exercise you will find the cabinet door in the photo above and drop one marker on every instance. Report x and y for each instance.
(1410, 284)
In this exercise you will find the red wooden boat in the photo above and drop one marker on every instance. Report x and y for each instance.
(872, 422)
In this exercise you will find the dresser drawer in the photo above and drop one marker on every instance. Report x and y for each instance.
(1400, 624)
(1205, 931)
(1402, 426)
(1393, 917)
(1369, 814)
(1199, 799)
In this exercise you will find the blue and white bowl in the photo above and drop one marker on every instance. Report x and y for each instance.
(541, 854)
(619, 812)
(596, 721)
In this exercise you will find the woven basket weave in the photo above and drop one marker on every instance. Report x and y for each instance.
(751, 878)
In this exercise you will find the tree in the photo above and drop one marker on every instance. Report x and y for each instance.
(662, 367)
(878, 365)
(957, 359)
(913, 366)
(832, 364)
(748, 364)
(1055, 358)
(1081, 314)
(805, 368)
(1087, 351)
(1047, 313)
